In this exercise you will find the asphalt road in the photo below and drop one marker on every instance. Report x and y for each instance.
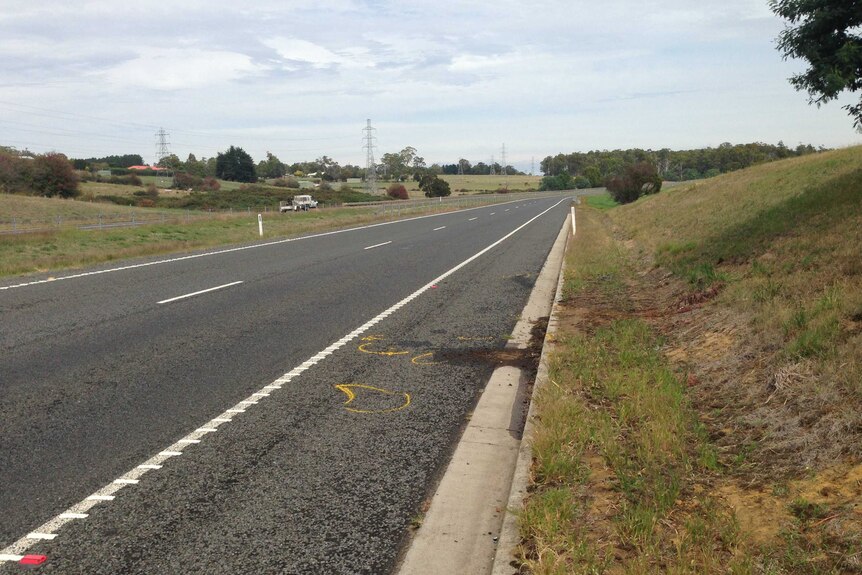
(323, 475)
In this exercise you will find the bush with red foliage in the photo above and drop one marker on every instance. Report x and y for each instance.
(52, 174)
(397, 191)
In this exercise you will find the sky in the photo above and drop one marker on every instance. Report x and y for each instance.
(300, 78)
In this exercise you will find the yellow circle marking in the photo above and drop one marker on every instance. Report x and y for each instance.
(370, 339)
(418, 359)
(347, 389)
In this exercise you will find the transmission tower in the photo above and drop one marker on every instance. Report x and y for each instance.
(370, 167)
(493, 171)
(503, 162)
(163, 149)
(533, 166)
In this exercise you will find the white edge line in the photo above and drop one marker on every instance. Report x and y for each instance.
(25, 543)
(438, 229)
(188, 295)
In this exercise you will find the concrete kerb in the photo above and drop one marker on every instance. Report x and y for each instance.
(460, 533)
(510, 536)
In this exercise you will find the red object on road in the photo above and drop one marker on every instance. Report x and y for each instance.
(33, 559)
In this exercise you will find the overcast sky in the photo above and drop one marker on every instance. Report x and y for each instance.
(452, 79)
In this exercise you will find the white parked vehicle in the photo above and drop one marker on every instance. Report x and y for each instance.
(301, 202)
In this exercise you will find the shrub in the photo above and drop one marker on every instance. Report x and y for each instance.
(186, 181)
(324, 187)
(210, 184)
(53, 175)
(152, 192)
(129, 180)
(637, 180)
(397, 191)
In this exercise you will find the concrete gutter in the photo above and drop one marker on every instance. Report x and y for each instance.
(460, 531)
(510, 536)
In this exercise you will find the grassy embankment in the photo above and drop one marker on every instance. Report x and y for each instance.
(704, 413)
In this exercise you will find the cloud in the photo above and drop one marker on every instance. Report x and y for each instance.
(180, 68)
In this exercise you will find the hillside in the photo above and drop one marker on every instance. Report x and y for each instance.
(706, 412)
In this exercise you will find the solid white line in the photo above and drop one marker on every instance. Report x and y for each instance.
(10, 557)
(471, 219)
(438, 229)
(149, 466)
(70, 515)
(122, 481)
(47, 536)
(378, 245)
(188, 295)
(24, 543)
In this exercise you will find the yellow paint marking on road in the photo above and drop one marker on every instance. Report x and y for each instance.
(349, 390)
(462, 338)
(374, 338)
(418, 359)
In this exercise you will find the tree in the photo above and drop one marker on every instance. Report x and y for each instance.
(562, 181)
(171, 162)
(826, 33)
(271, 167)
(235, 165)
(14, 172)
(434, 187)
(52, 174)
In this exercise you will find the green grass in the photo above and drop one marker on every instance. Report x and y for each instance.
(601, 202)
(614, 406)
(631, 458)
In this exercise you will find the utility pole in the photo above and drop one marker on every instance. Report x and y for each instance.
(163, 149)
(370, 167)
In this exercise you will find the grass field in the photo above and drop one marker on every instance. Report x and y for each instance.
(704, 413)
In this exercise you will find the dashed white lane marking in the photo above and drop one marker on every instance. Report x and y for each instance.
(74, 515)
(106, 493)
(378, 245)
(492, 213)
(438, 229)
(188, 295)
(46, 536)
(471, 219)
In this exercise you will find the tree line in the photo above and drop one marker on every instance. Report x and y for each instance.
(595, 167)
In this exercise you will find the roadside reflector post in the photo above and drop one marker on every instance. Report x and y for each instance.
(574, 228)
(260, 224)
